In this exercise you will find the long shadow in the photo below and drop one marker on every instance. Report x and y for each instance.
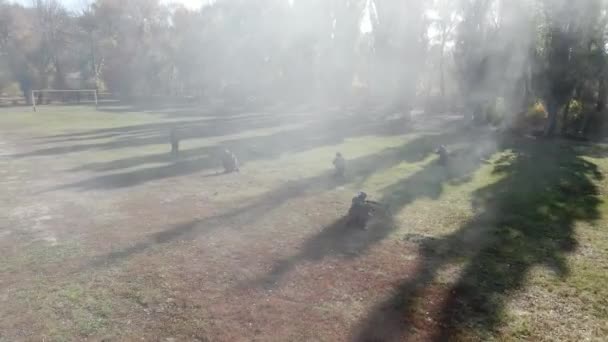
(248, 149)
(257, 207)
(292, 140)
(207, 121)
(101, 133)
(199, 114)
(288, 140)
(127, 138)
(339, 239)
(468, 145)
(240, 216)
(185, 110)
(248, 214)
(202, 125)
(524, 220)
(152, 134)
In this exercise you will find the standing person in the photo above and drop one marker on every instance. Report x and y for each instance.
(174, 139)
(339, 165)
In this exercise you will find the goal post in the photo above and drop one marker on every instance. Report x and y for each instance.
(42, 92)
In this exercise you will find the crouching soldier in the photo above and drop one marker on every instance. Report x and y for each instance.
(443, 153)
(174, 140)
(339, 165)
(230, 162)
(360, 210)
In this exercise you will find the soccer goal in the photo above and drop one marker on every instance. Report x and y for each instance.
(64, 96)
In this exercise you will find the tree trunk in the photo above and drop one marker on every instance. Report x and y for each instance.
(59, 80)
(441, 69)
(600, 107)
(552, 111)
(565, 118)
(601, 98)
(26, 89)
(584, 125)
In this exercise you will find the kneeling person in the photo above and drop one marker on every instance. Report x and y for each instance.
(230, 162)
(360, 210)
(174, 139)
(339, 165)
(443, 153)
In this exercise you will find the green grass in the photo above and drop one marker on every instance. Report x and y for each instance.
(70, 310)
(513, 233)
(65, 119)
(38, 255)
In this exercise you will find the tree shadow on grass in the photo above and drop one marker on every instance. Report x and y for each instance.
(212, 117)
(330, 240)
(237, 217)
(151, 134)
(266, 147)
(220, 109)
(340, 239)
(156, 132)
(525, 219)
(257, 207)
(142, 135)
(262, 146)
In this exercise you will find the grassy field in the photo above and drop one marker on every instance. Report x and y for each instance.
(105, 237)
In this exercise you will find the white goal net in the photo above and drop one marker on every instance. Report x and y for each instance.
(64, 97)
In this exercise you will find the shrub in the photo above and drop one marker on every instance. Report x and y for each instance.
(536, 114)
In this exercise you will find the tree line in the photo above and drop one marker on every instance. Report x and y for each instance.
(503, 61)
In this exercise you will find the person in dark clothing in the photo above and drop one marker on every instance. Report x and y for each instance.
(339, 165)
(443, 153)
(174, 139)
(360, 210)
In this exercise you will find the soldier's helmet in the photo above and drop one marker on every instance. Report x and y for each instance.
(361, 195)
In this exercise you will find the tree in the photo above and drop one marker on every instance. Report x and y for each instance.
(444, 23)
(52, 23)
(399, 32)
(516, 53)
